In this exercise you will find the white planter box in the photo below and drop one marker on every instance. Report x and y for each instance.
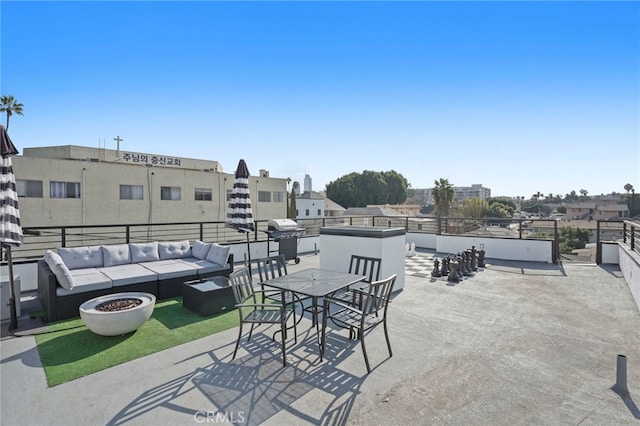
(337, 244)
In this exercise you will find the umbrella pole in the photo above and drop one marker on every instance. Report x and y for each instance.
(248, 250)
(12, 297)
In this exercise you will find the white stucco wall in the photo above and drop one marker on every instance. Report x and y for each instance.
(498, 248)
(630, 267)
(610, 253)
(427, 241)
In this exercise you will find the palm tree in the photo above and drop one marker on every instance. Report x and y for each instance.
(9, 105)
(628, 187)
(584, 193)
(443, 196)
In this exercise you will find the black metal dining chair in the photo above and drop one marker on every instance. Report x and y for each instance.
(358, 319)
(359, 265)
(253, 312)
(272, 267)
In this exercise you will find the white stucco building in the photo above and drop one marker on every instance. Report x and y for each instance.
(75, 185)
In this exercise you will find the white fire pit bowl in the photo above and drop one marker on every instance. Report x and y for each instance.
(116, 323)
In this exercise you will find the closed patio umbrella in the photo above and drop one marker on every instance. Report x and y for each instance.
(240, 215)
(10, 229)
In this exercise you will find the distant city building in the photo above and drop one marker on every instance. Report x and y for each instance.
(310, 205)
(402, 209)
(307, 183)
(474, 191)
(76, 185)
(461, 193)
(596, 211)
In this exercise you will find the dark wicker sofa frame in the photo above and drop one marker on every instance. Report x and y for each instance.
(57, 308)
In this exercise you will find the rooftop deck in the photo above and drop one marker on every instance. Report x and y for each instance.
(518, 343)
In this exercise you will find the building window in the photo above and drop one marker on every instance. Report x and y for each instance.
(229, 191)
(131, 192)
(319, 212)
(29, 188)
(170, 193)
(306, 212)
(264, 196)
(278, 197)
(64, 189)
(203, 194)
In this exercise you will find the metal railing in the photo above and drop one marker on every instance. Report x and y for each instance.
(631, 235)
(38, 239)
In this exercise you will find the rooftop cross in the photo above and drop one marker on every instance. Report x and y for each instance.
(118, 140)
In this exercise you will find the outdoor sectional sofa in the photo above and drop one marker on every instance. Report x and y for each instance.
(71, 276)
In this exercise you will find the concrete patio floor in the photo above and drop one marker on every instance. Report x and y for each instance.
(518, 343)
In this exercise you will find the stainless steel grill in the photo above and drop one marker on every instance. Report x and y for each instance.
(286, 232)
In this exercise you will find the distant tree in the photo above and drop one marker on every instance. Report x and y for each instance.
(628, 187)
(584, 193)
(572, 196)
(368, 187)
(10, 106)
(562, 209)
(442, 194)
(572, 238)
(473, 208)
(508, 203)
(292, 209)
(396, 187)
(500, 210)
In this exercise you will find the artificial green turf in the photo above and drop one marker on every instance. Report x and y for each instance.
(70, 350)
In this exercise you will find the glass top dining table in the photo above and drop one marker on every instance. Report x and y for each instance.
(314, 283)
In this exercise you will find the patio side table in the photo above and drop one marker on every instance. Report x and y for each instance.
(209, 296)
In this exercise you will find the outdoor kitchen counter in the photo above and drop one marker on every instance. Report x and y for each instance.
(338, 243)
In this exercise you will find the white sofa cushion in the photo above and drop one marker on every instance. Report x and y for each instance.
(200, 249)
(218, 254)
(59, 269)
(174, 249)
(82, 257)
(144, 252)
(171, 268)
(132, 273)
(117, 254)
(84, 280)
(204, 267)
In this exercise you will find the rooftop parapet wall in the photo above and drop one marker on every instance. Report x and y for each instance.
(629, 262)
(122, 156)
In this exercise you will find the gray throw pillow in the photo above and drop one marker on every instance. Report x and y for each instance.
(174, 249)
(82, 257)
(59, 269)
(218, 254)
(117, 254)
(200, 249)
(144, 252)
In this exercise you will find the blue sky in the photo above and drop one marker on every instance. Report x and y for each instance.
(518, 96)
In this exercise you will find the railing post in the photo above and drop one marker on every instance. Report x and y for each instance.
(633, 238)
(624, 232)
(598, 244)
(520, 228)
(201, 231)
(406, 224)
(556, 245)
(63, 235)
(128, 234)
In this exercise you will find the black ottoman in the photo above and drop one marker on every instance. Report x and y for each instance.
(209, 296)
